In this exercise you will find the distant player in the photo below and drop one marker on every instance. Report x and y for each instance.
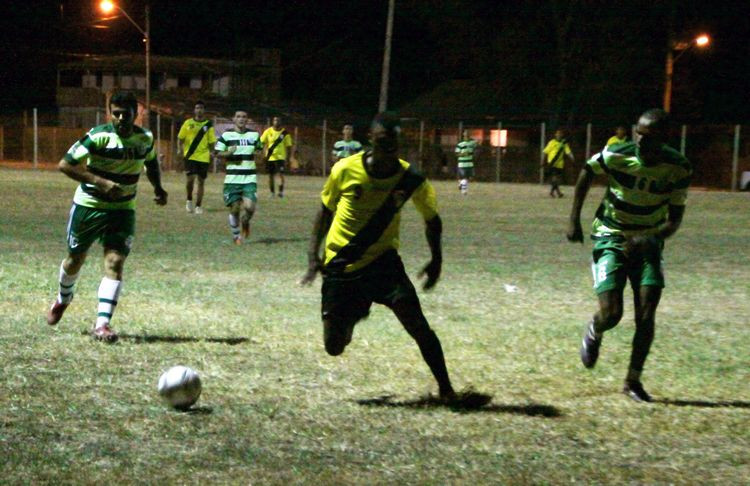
(238, 147)
(108, 162)
(195, 142)
(360, 220)
(620, 136)
(556, 151)
(643, 205)
(465, 154)
(278, 145)
(346, 146)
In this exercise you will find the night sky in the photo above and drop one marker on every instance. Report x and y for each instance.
(578, 60)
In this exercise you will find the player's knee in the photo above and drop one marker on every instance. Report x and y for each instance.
(610, 316)
(336, 336)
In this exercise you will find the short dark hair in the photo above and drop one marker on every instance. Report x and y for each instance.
(658, 119)
(200, 102)
(388, 120)
(242, 110)
(126, 99)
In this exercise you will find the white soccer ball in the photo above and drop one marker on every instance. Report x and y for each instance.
(180, 386)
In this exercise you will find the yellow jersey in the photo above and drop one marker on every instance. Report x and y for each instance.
(613, 140)
(367, 215)
(553, 148)
(189, 132)
(268, 139)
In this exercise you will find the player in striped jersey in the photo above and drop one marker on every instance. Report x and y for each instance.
(107, 162)
(465, 154)
(360, 220)
(238, 147)
(346, 146)
(643, 205)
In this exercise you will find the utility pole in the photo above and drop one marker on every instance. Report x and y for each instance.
(382, 106)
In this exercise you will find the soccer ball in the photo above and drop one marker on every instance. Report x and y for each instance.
(180, 386)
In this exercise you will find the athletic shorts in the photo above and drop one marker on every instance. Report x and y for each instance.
(194, 167)
(553, 172)
(114, 228)
(465, 172)
(235, 192)
(274, 166)
(612, 269)
(346, 298)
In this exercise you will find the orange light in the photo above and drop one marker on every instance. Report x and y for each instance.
(106, 6)
(702, 40)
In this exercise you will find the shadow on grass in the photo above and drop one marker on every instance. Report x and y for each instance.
(703, 403)
(272, 241)
(431, 402)
(149, 338)
(198, 411)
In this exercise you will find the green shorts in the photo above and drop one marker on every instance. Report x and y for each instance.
(114, 228)
(235, 192)
(612, 269)
(465, 172)
(346, 298)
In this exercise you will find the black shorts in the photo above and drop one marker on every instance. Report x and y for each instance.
(554, 172)
(200, 169)
(274, 166)
(347, 298)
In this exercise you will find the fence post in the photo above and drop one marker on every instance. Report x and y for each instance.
(683, 139)
(54, 143)
(216, 159)
(2, 142)
(36, 138)
(421, 143)
(499, 155)
(735, 156)
(323, 149)
(98, 117)
(158, 137)
(296, 145)
(588, 141)
(172, 145)
(541, 152)
(460, 131)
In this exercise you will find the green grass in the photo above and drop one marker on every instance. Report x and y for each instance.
(276, 409)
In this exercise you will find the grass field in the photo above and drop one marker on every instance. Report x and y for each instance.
(276, 409)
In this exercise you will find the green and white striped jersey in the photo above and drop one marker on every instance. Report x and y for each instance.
(638, 196)
(241, 164)
(344, 148)
(112, 157)
(465, 150)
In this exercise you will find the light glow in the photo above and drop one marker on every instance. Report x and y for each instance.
(106, 6)
(702, 40)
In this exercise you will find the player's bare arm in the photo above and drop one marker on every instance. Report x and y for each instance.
(433, 232)
(226, 153)
(80, 173)
(583, 184)
(154, 177)
(321, 225)
(641, 243)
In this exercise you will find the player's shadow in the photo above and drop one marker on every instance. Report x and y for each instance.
(203, 410)
(273, 241)
(431, 402)
(703, 403)
(151, 338)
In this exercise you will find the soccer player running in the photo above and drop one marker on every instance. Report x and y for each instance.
(360, 220)
(194, 142)
(347, 146)
(107, 162)
(620, 136)
(238, 148)
(555, 152)
(278, 145)
(643, 205)
(465, 153)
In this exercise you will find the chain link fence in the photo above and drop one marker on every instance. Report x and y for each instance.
(508, 152)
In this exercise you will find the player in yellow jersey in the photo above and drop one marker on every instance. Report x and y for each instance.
(360, 219)
(555, 152)
(620, 136)
(195, 145)
(278, 143)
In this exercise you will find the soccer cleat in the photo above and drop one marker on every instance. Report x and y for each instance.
(467, 399)
(198, 210)
(56, 312)
(590, 346)
(237, 240)
(634, 389)
(281, 194)
(189, 206)
(246, 232)
(105, 334)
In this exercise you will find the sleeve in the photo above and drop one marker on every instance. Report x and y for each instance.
(332, 189)
(425, 200)
(288, 140)
(211, 135)
(567, 149)
(182, 135)
(151, 153)
(79, 151)
(597, 164)
(357, 146)
(259, 143)
(458, 148)
(264, 138)
(548, 148)
(221, 144)
(679, 192)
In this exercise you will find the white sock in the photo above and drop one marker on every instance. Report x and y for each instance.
(66, 286)
(234, 225)
(109, 291)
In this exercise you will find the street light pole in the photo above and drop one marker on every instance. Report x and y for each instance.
(700, 41)
(383, 103)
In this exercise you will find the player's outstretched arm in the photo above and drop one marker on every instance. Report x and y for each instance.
(575, 233)
(154, 177)
(433, 232)
(321, 224)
